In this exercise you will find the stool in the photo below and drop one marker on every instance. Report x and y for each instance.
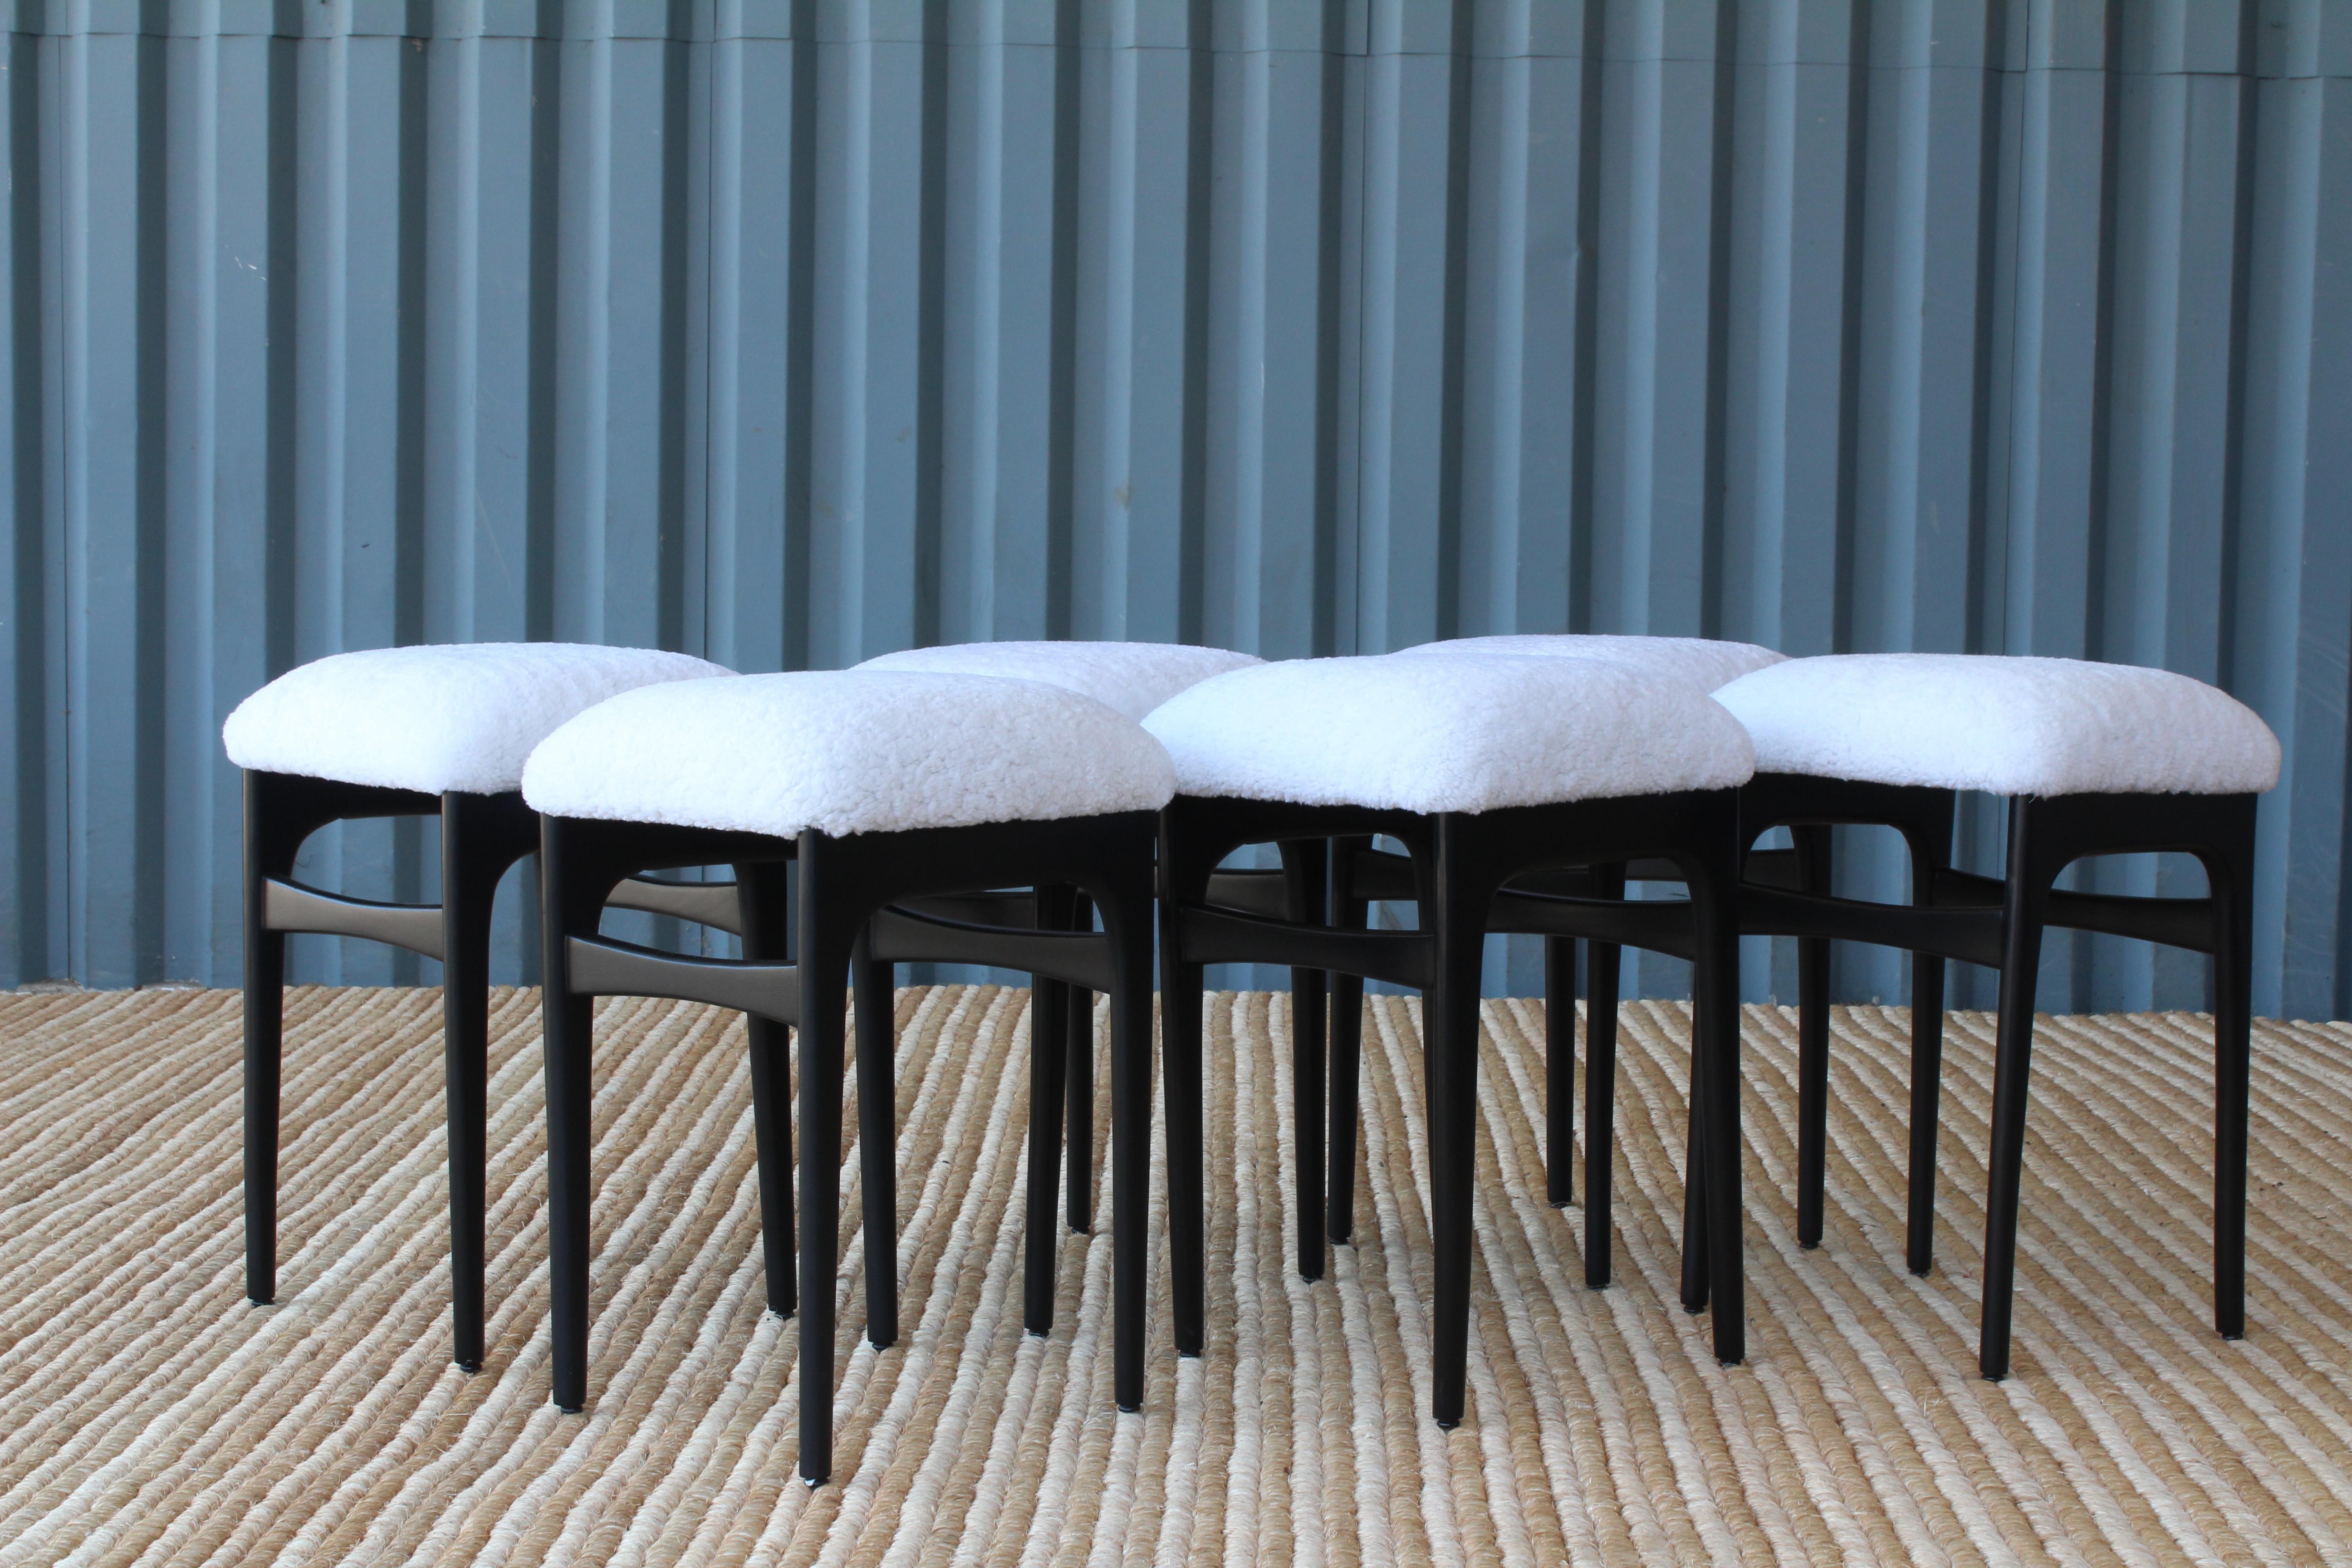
(1134, 677)
(2028, 728)
(1363, 876)
(884, 786)
(1485, 767)
(434, 731)
(2092, 759)
(1701, 663)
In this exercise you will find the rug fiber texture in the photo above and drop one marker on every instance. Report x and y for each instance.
(149, 1414)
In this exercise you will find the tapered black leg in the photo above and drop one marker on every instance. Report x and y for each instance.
(1926, 1084)
(1812, 1043)
(2022, 918)
(1602, 969)
(1049, 1001)
(1180, 1072)
(1079, 1095)
(2231, 874)
(1559, 1068)
(1309, 1028)
(1049, 1062)
(1308, 866)
(1813, 1085)
(265, 1022)
(1928, 835)
(877, 1142)
(466, 1051)
(1694, 1177)
(1128, 923)
(1344, 1067)
(824, 963)
(767, 935)
(772, 1127)
(471, 864)
(1451, 1053)
(1342, 1088)
(1715, 1072)
(567, 1025)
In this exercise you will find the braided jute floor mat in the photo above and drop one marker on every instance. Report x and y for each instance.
(147, 1414)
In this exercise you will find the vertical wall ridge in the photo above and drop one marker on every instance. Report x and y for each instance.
(29, 839)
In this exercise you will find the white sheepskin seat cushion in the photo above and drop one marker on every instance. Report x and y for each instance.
(1132, 677)
(843, 751)
(2009, 726)
(1702, 662)
(440, 717)
(1469, 733)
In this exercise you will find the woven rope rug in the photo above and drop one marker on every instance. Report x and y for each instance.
(148, 1414)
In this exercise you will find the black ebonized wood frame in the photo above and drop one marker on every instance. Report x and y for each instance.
(482, 836)
(1998, 923)
(1459, 864)
(1978, 920)
(1294, 891)
(1560, 905)
(864, 902)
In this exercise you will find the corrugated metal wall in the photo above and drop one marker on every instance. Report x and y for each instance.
(792, 332)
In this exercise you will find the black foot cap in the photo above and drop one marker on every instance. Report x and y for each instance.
(1812, 1246)
(1735, 1361)
(880, 1345)
(1130, 1410)
(1188, 1355)
(1923, 1273)
(1449, 1426)
(470, 1367)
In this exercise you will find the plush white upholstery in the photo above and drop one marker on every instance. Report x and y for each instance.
(1466, 733)
(1132, 677)
(857, 751)
(2010, 726)
(1702, 662)
(445, 716)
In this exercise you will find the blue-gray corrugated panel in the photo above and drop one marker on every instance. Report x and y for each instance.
(795, 330)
